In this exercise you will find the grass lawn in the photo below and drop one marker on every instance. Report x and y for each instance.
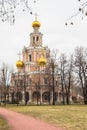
(72, 117)
(3, 124)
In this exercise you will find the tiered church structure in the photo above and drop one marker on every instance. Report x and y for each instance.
(34, 81)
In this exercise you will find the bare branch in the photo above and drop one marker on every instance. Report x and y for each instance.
(8, 7)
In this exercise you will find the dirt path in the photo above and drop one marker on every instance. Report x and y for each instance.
(19, 121)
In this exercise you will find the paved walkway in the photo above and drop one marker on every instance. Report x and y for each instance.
(19, 121)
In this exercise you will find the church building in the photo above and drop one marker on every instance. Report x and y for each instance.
(35, 81)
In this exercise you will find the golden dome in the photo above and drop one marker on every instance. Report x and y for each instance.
(42, 61)
(36, 24)
(19, 64)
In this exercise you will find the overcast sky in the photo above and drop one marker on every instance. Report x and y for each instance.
(52, 14)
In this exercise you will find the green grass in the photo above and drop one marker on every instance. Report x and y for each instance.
(3, 124)
(72, 117)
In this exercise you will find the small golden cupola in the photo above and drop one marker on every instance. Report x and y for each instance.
(42, 61)
(19, 64)
(36, 23)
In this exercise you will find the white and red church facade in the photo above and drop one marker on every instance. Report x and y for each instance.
(33, 81)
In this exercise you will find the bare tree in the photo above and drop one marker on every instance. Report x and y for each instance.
(66, 73)
(81, 69)
(69, 78)
(53, 66)
(62, 68)
(5, 81)
(48, 74)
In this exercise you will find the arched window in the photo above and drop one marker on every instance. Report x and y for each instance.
(37, 38)
(30, 58)
(33, 38)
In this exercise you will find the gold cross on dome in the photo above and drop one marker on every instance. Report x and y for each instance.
(36, 16)
(19, 54)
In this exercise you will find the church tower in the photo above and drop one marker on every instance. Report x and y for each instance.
(36, 36)
(33, 53)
